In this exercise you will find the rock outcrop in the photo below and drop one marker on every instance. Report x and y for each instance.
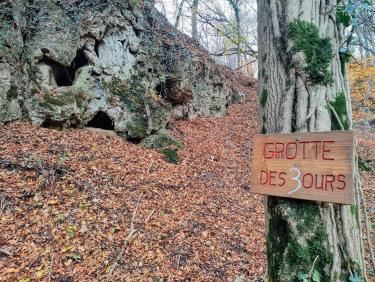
(110, 64)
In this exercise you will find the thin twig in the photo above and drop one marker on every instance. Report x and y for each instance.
(149, 168)
(3, 205)
(336, 116)
(346, 259)
(127, 239)
(50, 269)
(178, 261)
(311, 272)
(149, 216)
(245, 65)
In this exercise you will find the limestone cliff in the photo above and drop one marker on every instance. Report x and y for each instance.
(114, 64)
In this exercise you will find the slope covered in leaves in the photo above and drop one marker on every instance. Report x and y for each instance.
(362, 79)
(366, 151)
(79, 205)
(84, 205)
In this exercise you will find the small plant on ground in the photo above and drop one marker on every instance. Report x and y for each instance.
(171, 155)
(162, 140)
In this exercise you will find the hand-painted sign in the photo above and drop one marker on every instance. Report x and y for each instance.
(311, 166)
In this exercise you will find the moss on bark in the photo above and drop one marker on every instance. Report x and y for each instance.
(339, 105)
(317, 51)
(264, 98)
(297, 234)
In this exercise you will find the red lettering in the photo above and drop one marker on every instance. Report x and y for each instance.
(282, 177)
(279, 151)
(321, 182)
(272, 177)
(329, 179)
(264, 151)
(304, 147)
(316, 147)
(295, 150)
(324, 150)
(341, 179)
(262, 173)
(304, 181)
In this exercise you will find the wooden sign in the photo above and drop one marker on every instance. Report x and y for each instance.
(311, 166)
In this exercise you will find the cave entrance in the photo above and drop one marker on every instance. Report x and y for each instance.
(101, 120)
(161, 89)
(64, 76)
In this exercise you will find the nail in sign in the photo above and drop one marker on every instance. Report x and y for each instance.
(312, 166)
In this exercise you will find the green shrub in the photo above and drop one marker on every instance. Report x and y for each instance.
(364, 165)
(171, 155)
(162, 140)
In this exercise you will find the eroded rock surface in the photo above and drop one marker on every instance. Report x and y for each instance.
(64, 63)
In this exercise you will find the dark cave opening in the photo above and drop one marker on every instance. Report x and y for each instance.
(96, 47)
(101, 120)
(174, 95)
(51, 124)
(64, 76)
(161, 89)
(164, 88)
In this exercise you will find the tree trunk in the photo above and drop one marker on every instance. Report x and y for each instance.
(179, 13)
(236, 9)
(238, 33)
(301, 83)
(194, 21)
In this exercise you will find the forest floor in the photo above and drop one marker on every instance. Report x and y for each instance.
(80, 205)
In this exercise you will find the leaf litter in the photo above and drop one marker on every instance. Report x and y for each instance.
(83, 205)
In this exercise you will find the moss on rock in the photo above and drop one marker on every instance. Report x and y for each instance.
(161, 140)
(132, 93)
(115, 86)
(137, 127)
(69, 97)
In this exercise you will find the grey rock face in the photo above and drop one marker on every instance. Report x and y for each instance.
(63, 63)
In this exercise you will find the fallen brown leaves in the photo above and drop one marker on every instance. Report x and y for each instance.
(81, 205)
(68, 199)
(366, 150)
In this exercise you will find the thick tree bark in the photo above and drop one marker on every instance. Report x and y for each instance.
(305, 236)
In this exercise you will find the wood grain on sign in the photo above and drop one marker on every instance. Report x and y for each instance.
(312, 166)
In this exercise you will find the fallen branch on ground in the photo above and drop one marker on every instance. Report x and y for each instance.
(127, 239)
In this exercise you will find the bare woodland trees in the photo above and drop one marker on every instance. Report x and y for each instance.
(303, 87)
(226, 28)
(364, 37)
